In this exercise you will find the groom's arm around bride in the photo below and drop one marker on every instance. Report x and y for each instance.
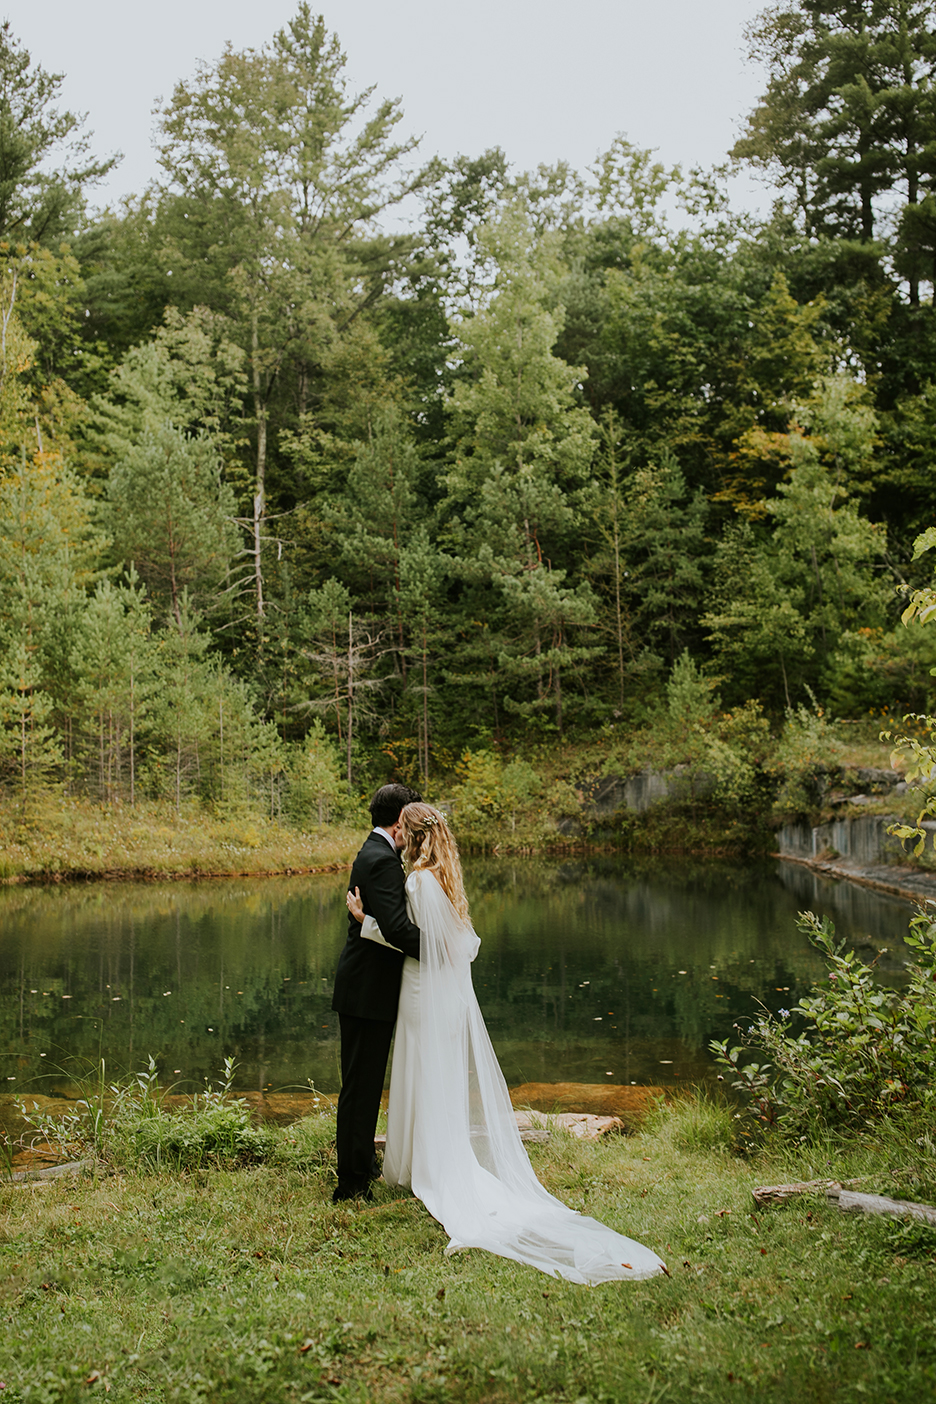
(367, 989)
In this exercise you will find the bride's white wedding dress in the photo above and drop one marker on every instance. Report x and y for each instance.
(451, 1131)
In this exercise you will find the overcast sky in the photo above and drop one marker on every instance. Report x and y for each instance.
(544, 80)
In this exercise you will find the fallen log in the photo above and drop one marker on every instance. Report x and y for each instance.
(584, 1126)
(852, 1203)
(766, 1195)
(52, 1172)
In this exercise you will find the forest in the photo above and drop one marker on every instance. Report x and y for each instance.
(321, 464)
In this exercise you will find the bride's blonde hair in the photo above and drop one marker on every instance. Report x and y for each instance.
(431, 844)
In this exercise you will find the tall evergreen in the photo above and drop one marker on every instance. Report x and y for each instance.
(276, 174)
(849, 114)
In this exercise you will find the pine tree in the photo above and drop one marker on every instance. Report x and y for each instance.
(663, 541)
(30, 750)
(343, 650)
(277, 175)
(48, 554)
(318, 787)
(38, 203)
(181, 720)
(423, 572)
(374, 518)
(524, 445)
(171, 514)
(606, 505)
(113, 661)
(849, 114)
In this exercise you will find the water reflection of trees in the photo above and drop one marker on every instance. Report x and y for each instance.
(672, 949)
(190, 972)
(585, 967)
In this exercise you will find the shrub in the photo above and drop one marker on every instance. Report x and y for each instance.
(864, 1051)
(807, 751)
(492, 797)
(128, 1123)
(215, 1131)
(318, 793)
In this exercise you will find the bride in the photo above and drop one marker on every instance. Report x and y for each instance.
(451, 1130)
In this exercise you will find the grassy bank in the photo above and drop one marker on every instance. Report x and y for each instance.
(57, 839)
(248, 1285)
(63, 840)
(729, 787)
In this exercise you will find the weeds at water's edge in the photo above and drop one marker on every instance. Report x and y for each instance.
(697, 1121)
(127, 1123)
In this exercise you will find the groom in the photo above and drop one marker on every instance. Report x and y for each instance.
(367, 990)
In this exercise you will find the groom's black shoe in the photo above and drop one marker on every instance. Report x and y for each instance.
(344, 1191)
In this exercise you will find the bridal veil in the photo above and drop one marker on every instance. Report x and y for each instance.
(451, 1114)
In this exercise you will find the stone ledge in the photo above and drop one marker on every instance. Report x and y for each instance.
(910, 883)
(538, 1126)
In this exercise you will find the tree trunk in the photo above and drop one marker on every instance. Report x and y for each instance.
(23, 749)
(5, 314)
(425, 673)
(619, 625)
(132, 758)
(557, 690)
(396, 582)
(910, 165)
(337, 682)
(350, 690)
(259, 495)
(766, 1195)
(818, 576)
(178, 773)
(173, 584)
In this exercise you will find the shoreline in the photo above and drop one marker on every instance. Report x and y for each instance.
(910, 884)
(79, 876)
(907, 883)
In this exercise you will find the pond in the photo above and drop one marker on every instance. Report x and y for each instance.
(601, 970)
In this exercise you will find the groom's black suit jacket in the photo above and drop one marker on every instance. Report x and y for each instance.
(367, 980)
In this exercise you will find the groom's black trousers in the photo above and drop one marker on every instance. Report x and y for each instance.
(365, 998)
(365, 1046)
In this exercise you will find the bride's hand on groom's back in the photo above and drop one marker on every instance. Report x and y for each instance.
(355, 905)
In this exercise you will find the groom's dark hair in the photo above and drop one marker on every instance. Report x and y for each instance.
(389, 800)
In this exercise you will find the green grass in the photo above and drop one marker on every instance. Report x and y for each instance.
(250, 1286)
